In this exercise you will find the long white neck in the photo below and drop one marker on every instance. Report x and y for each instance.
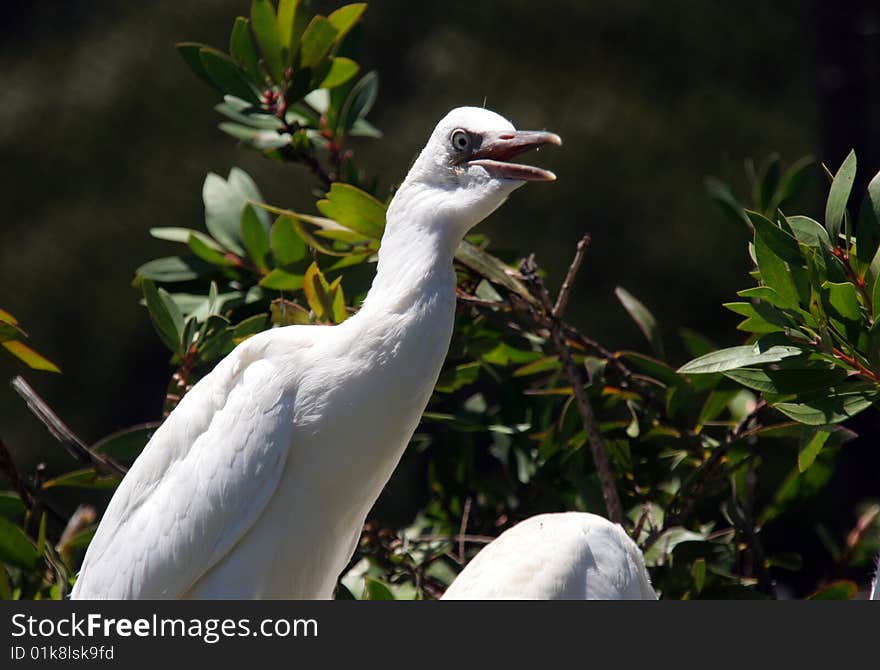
(415, 259)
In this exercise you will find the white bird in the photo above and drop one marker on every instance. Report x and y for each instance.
(563, 556)
(258, 483)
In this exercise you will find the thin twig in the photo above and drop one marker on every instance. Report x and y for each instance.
(597, 447)
(565, 291)
(61, 432)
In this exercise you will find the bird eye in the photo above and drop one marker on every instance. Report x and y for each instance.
(461, 140)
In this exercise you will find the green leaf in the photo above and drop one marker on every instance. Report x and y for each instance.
(783, 245)
(764, 293)
(844, 299)
(344, 18)
(786, 381)
(698, 572)
(643, 318)
(29, 357)
(165, 315)
(760, 318)
(317, 292)
(266, 31)
(354, 209)
(287, 246)
(811, 442)
(208, 253)
(839, 195)
(738, 357)
(839, 590)
(189, 51)
(254, 237)
(248, 115)
(831, 405)
(281, 280)
(171, 234)
(316, 41)
(226, 75)
(809, 231)
(376, 590)
(173, 269)
(292, 20)
(86, 478)
(545, 364)
(224, 201)
(775, 273)
(248, 327)
(359, 101)
(241, 48)
(16, 548)
(341, 70)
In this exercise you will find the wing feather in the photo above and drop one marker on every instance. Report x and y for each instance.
(199, 485)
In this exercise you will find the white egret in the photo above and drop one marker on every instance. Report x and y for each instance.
(258, 483)
(563, 556)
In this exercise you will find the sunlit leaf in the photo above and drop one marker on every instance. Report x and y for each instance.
(266, 32)
(354, 209)
(839, 195)
(738, 357)
(287, 246)
(316, 41)
(281, 280)
(341, 70)
(344, 18)
(85, 478)
(811, 442)
(28, 356)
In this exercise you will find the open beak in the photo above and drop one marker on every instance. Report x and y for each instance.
(498, 148)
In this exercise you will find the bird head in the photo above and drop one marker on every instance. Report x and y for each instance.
(464, 172)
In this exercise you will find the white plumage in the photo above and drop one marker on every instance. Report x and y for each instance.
(258, 483)
(875, 585)
(564, 556)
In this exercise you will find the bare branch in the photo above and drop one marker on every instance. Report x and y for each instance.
(597, 447)
(565, 291)
(61, 432)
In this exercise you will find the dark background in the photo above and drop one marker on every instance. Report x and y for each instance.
(104, 133)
